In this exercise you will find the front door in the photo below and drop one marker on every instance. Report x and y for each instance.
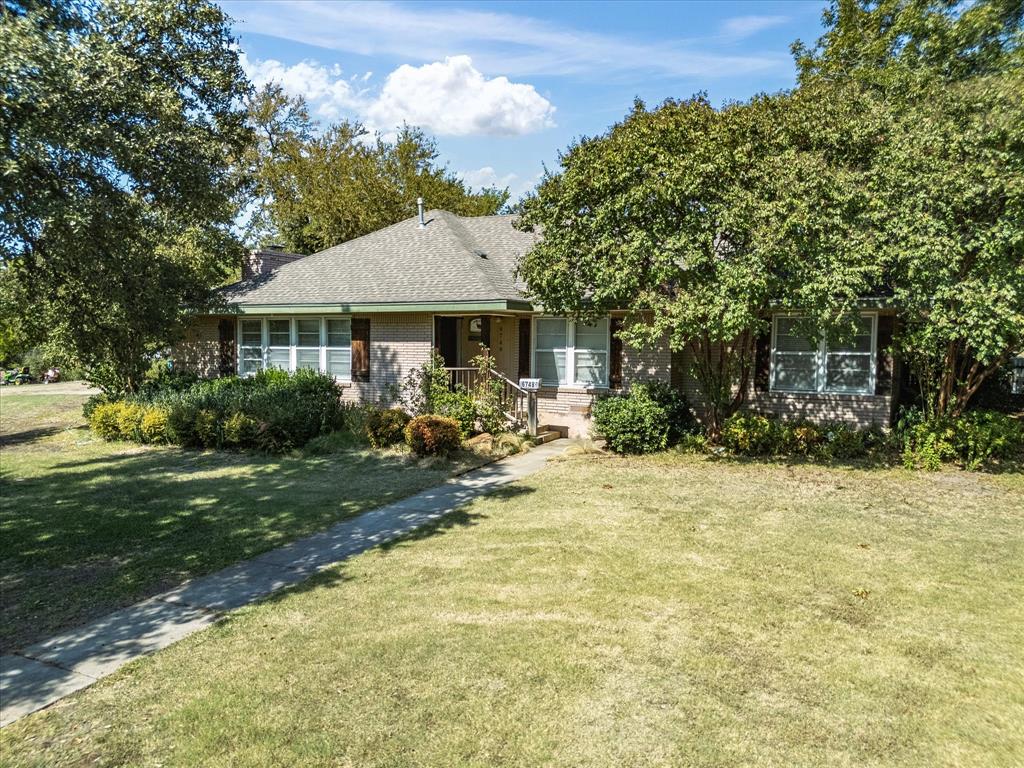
(446, 340)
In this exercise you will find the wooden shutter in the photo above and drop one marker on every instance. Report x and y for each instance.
(360, 349)
(883, 354)
(227, 363)
(615, 363)
(524, 347)
(763, 362)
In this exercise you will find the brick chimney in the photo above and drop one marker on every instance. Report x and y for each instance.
(264, 260)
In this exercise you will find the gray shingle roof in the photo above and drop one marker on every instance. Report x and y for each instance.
(452, 259)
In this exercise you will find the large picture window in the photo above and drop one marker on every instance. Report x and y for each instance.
(291, 343)
(800, 364)
(568, 352)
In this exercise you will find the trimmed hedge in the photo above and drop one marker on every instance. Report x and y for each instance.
(433, 435)
(272, 411)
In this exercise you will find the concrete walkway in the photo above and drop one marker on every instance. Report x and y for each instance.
(50, 670)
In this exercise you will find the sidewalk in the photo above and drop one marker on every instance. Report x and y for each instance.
(52, 669)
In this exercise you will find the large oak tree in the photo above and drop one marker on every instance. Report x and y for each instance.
(120, 123)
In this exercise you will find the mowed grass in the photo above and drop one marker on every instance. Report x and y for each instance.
(670, 611)
(88, 526)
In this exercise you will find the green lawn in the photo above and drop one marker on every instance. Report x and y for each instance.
(667, 611)
(88, 526)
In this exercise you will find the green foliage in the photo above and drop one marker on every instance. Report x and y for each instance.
(972, 440)
(486, 395)
(385, 426)
(315, 190)
(92, 402)
(121, 120)
(240, 430)
(105, 420)
(272, 411)
(699, 220)
(459, 406)
(632, 423)
(939, 95)
(425, 386)
(433, 435)
(154, 427)
(752, 435)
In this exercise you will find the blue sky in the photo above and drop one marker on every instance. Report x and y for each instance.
(504, 86)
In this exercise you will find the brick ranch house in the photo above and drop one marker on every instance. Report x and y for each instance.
(370, 310)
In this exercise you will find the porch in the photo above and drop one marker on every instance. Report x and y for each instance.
(460, 339)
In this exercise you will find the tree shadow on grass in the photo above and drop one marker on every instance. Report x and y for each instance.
(11, 439)
(78, 541)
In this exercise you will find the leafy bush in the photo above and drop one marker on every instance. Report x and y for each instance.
(972, 440)
(632, 423)
(271, 411)
(384, 426)
(459, 406)
(433, 435)
(678, 413)
(753, 435)
(92, 402)
(129, 421)
(105, 420)
(240, 430)
(153, 428)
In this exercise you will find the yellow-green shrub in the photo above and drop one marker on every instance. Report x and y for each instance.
(129, 421)
(105, 420)
(153, 427)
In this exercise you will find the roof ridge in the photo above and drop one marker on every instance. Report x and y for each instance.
(469, 245)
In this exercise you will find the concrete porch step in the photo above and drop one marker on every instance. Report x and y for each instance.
(545, 436)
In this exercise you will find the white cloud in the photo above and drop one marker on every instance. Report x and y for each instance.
(516, 45)
(741, 27)
(453, 98)
(322, 86)
(449, 97)
(488, 177)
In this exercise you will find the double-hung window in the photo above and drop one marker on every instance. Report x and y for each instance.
(568, 352)
(307, 343)
(339, 347)
(250, 347)
(290, 343)
(279, 343)
(802, 364)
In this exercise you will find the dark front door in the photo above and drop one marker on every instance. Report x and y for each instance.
(446, 339)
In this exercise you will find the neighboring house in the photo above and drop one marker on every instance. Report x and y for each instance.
(369, 311)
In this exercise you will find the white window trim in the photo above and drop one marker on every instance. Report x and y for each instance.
(570, 353)
(293, 338)
(821, 361)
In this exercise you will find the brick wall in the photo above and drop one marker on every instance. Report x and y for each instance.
(856, 410)
(399, 342)
(199, 350)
